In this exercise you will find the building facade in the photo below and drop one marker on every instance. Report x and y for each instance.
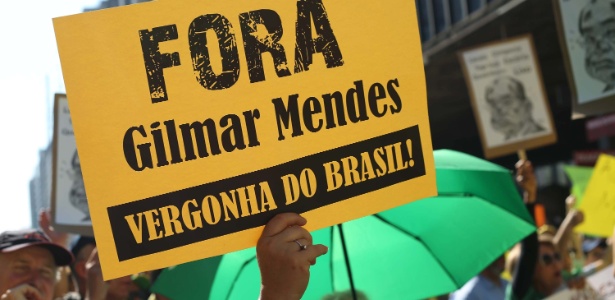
(449, 26)
(40, 184)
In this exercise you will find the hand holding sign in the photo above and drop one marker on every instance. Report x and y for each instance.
(527, 180)
(284, 264)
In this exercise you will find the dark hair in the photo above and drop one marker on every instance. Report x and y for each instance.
(514, 85)
(81, 242)
(584, 10)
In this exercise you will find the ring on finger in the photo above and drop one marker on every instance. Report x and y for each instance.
(301, 246)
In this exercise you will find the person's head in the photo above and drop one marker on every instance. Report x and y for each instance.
(508, 105)
(594, 249)
(597, 26)
(82, 248)
(29, 257)
(548, 273)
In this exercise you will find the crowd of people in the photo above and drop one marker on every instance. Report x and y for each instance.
(42, 264)
(35, 264)
(545, 262)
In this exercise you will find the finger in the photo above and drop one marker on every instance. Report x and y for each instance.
(522, 165)
(314, 251)
(24, 291)
(43, 219)
(281, 222)
(295, 233)
(33, 294)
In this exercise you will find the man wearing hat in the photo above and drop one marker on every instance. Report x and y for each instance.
(28, 265)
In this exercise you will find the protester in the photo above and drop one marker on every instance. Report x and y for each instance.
(594, 249)
(97, 289)
(81, 249)
(532, 280)
(285, 253)
(597, 254)
(486, 285)
(64, 283)
(29, 263)
(564, 237)
(538, 269)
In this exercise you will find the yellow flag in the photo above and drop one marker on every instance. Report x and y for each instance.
(598, 204)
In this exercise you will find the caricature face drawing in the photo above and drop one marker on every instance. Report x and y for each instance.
(597, 26)
(511, 111)
(77, 195)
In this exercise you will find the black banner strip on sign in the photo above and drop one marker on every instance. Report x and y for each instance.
(250, 200)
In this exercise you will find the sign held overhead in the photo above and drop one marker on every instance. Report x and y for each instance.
(199, 121)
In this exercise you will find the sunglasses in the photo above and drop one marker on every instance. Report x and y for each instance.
(548, 259)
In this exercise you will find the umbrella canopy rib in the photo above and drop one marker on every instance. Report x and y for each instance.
(347, 259)
(243, 266)
(472, 195)
(331, 256)
(379, 217)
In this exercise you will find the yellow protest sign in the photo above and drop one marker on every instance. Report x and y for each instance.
(598, 204)
(198, 121)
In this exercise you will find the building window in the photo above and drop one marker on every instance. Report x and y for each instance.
(457, 10)
(424, 15)
(442, 16)
(474, 5)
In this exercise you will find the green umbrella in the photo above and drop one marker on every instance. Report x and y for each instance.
(422, 249)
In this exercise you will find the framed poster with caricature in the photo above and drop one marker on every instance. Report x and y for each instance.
(587, 38)
(69, 205)
(507, 95)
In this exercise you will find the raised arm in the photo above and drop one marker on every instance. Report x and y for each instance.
(526, 264)
(565, 236)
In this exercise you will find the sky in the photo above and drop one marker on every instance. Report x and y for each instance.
(30, 75)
